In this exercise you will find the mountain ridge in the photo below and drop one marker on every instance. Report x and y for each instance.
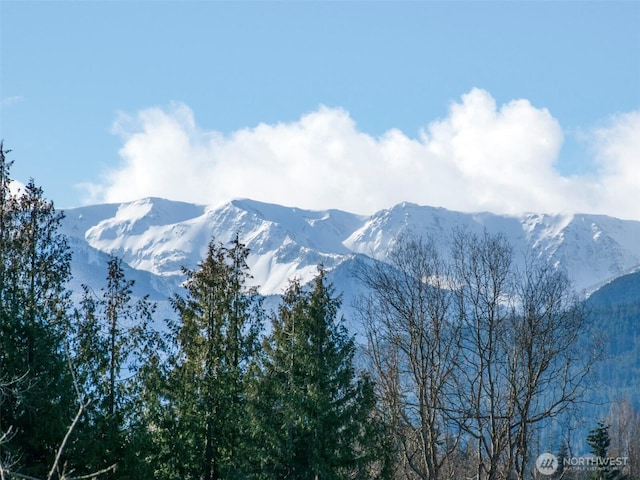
(161, 236)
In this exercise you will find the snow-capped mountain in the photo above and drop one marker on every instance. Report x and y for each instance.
(157, 237)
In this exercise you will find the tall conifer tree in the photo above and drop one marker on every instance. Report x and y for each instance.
(114, 341)
(34, 270)
(314, 415)
(217, 330)
(599, 441)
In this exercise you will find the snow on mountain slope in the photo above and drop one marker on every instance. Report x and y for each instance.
(89, 267)
(160, 236)
(591, 249)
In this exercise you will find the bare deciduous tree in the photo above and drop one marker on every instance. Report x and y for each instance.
(472, 354)
(482, 268)
(527, 350)
(624, 421)
(551, 354)
(413, 345)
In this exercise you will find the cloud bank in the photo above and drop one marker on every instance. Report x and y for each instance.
(481, 156)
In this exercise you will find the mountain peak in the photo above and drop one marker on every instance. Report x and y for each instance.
(160, 236)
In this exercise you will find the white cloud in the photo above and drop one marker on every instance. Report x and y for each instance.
(617, 153)
(480, 157)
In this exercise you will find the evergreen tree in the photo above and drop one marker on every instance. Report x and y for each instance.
(37, 401)
(313, 415)
(114, 341)
(562, 455)
(599, 440)
(216, 339)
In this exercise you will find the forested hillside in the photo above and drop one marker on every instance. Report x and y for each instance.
(615, 310)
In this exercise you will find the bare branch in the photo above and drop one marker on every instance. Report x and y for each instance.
(64, 441)
(93, 475)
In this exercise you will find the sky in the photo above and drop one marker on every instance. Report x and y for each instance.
(499, 106)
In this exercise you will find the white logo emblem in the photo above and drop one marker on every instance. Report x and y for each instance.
(547, 463)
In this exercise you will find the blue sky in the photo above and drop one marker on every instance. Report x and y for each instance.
(503, 106)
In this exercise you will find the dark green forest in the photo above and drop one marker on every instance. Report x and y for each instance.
(458, 378)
